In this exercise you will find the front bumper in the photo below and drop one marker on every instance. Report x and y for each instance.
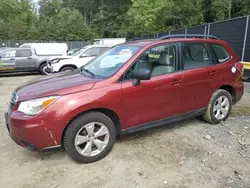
(34, 133)
(50, 67)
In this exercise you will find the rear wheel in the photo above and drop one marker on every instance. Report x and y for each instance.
(66, 69)
(219, 107)
(44, 70)
(89, 137)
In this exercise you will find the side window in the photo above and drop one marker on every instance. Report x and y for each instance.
(221, 53)
(23, 53)
(195, 55)
(92, 52)
(8, 54)
(103, 49)
(160, 60)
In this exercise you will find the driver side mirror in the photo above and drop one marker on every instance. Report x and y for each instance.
(141, 74)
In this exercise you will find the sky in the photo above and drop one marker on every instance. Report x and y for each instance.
(36, 1)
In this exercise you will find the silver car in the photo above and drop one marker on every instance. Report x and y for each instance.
(22, 60)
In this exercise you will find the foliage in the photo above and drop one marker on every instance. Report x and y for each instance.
(87, 19)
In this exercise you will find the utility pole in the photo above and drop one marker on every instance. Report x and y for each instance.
(102, 16)
(229, 8)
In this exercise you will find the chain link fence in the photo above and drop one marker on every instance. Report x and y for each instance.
(71, 44)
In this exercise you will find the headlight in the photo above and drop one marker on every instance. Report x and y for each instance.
(55, 61)
(35, 106)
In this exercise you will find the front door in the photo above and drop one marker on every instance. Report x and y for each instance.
(199, 76)
(7, 60)
(159, 97)
(24, 59)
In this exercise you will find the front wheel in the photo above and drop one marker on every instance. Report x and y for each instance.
(90, 137)
(219, 107)
(66, 69)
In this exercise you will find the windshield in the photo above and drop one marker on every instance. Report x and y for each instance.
(112, 60)
(79, 52)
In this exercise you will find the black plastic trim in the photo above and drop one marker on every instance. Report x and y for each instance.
(165, 121)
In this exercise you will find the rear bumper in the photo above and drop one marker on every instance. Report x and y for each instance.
(239, 91)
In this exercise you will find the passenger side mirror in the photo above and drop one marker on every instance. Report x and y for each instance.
(141, 74)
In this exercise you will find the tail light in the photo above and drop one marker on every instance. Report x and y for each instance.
(67, 52)
(239, 66)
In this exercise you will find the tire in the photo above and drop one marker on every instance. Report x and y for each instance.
(43, 69)
(215, 116)
(65, 69)
(80, 128)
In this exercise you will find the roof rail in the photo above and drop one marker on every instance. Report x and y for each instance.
(189, 36)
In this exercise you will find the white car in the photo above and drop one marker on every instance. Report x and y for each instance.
(76, 60)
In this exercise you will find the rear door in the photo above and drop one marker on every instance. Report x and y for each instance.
(24, 59)
(7, 60)
(199, 76)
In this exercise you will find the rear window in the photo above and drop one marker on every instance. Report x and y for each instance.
(25, 46)
(221, 53)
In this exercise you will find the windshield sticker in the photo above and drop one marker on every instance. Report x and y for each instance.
(125, 52)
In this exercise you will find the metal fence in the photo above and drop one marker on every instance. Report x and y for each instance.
(235, 31)
(71, 44)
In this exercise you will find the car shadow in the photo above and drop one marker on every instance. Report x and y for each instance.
(18, 74)
(246, 80)
(152, 131)
(60, 153)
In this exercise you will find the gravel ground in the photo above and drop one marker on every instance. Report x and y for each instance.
(187, 154)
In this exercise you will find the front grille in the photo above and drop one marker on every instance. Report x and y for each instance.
(13, 101)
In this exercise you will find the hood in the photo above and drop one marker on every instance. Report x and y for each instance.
(57, 84)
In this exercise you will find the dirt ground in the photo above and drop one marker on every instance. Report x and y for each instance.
(187, 154)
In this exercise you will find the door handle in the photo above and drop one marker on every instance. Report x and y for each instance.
(213, 73)
(175, 82)
(12, 58)
(29, 58)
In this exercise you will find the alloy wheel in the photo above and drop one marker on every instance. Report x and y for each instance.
(221, 107)
(92, 139)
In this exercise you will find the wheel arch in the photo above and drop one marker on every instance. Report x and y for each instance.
(230, 90)
(68, 65)
(42, 63)
(108, 112)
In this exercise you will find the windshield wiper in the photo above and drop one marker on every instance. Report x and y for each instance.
(88, 72)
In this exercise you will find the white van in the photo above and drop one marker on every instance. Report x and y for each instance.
(53, 49)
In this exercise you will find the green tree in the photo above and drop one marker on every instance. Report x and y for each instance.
(16, 18)
(111, 20)
(49, 7)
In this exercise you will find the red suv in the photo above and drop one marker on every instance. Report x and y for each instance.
(131, 87)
